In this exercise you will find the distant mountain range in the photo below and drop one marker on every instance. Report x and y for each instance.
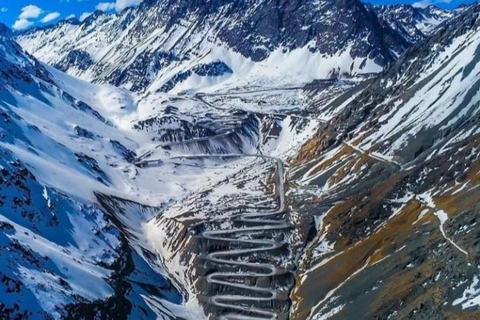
(172, 46)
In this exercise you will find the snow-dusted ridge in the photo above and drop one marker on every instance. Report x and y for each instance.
(65, 258)
(192, 46)
(396, 176)
(415, 24)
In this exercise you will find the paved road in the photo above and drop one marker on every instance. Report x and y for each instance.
(376, 157)
(256, 221)
(267, 221)
(177, 143)
(200, 97)
(234, 93)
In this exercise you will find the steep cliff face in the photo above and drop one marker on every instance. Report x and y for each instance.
(195, 45)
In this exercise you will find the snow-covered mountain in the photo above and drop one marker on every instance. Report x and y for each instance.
(187, 173)
(438, 75)
(397, 167)
(174, 45)
(413, 23)
(63, 256)
(78, 210)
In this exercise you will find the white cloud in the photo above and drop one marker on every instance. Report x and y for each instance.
(27, 17)
(118, 5)
(69, 17)
(422, 4)
(105, 6)
(3, 10)
(50, 17)
(122, 4)
(22, 24)
(30, 12)
(84, 16)
(426, 3)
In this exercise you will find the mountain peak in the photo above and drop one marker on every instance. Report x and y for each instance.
(5, 31)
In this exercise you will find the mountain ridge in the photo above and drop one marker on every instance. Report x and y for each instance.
(397, 171)
(248, 38)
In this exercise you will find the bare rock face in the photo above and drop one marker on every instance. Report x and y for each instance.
(75, 59)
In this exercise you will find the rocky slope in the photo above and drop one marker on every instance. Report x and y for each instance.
(413, 23)
(395, 182)
(196, 45)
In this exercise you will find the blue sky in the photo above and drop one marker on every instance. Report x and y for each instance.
(22, 14)
(446, 4)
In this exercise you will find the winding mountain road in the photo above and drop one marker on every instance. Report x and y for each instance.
(262, 221)
(375, 156)
(250, 235)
